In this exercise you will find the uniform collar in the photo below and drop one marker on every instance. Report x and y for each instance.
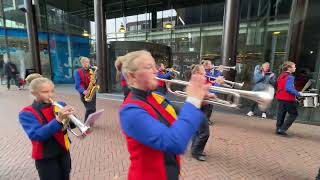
(40, 105)
(140, 93)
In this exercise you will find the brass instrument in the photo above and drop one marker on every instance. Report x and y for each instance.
(176, 73)
(225, 68)
(263, 98)
(85, 130)
(93, 87)
(229, 84)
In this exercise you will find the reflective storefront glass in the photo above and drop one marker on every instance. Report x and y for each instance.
(59, 35)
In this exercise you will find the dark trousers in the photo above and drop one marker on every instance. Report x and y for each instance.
(207, 110)
(90, 106)
(318, 177)
(15, 80)
(54, 169)
(285, 107)
(254, 105)
(201, 137)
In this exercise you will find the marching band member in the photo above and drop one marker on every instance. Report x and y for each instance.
(156, 135)
(50, 141)
(286, 95)
(210, 71)
(201, 137)
(82, 80)
(118, 64)
(216, 79)
(262, 76)
(163, 75)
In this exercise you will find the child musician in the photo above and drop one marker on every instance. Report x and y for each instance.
(45, 129)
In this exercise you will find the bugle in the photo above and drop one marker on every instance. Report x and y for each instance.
(263, 98)
(230, 84)
(173, 71)
(85, 130)
(225, 68)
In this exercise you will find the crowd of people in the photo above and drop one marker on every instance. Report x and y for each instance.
(157, 133)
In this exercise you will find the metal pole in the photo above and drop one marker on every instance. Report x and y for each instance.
(5, 30)
(230, 35)
(32, 35)
(100, 44)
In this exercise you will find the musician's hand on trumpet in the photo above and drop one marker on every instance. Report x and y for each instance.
(211, 96)
(220, 80)
(197, 88)
(64, 113)
(220, 68)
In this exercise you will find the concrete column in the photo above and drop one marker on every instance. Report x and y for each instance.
(100, 45)
(32, 35)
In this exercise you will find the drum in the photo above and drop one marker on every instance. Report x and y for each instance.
(309, 100)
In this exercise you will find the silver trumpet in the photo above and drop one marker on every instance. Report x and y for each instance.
(85, 130)
(174, 71)
(229, 84)
(225, 68)
(263, 98)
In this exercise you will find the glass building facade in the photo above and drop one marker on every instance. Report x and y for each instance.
(269, 31)
(59, 34)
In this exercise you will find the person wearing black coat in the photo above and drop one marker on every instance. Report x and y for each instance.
(10, 70)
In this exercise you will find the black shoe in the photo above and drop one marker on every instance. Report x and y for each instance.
(199, 157)
(282, 132)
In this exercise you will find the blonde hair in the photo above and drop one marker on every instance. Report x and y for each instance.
(286, 65)
(35, 80)
(266, 63)
(118, 63)
(129, 63)
(196, 69)
(82, 58)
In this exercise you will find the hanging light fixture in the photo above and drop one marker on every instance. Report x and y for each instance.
(122, 29)
(169, 25)
(85, 33)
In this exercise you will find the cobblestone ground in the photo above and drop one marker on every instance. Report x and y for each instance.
(239, 147)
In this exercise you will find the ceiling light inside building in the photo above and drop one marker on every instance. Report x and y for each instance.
(276, 32)
(85, 33)
(122, 28)
(168, 25)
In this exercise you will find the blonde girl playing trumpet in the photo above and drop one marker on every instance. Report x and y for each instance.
(50, 141)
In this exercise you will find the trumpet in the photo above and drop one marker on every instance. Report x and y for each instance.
(225, 68)
(85, 130)
(174, 71)
(230, 84)
(263, 98)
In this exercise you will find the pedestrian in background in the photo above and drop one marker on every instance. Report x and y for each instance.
(262, 77)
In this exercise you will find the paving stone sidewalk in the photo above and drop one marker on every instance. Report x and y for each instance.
(239, 147)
